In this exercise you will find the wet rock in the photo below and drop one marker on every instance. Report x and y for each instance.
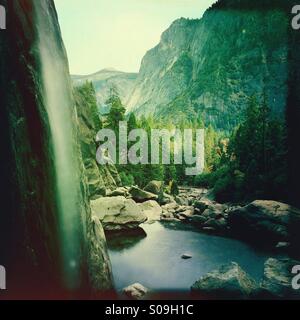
(118, 192)
(166, 199)
(182, 201)
(154, 187)
(188, 213)
(151, 209)
(186, 209)
(135, 291)
(217, 224)
(209, 229)
(167, 215)
(186, 256)
(140, 195)
(207, 204)
(170, 206)
(119, 240)
(197, 220)
(181, 217)
(99, 258)
(117, 213)
(202, 205)
(228, 282)
(269, 221)
(172, 219)
(277, 280)
(283, 245)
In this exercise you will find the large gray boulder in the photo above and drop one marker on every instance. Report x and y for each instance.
(207, 205)
(229, 282)
(135, 291)
(154, 186)
(140, 195)
(277, 280)
(270, 221)
(121, 191)
(151, 209)
(118, 213)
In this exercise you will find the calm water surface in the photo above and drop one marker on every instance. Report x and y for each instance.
(155, 260)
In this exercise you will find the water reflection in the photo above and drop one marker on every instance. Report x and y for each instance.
(123, 240)
(155, 261)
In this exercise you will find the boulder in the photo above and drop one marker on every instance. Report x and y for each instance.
(186, 256)
(209, 229)
(135, 291)
(277, 280)
(207, 204)
(140, 195)
(197, 220)
(166, 198)
(185, 209)
(202, 205)
(167, 215)
(217, 224)
(212, 213)
(172, 206)
(266, 220)
(182, 201)
(282, 245)
(118, 192)
(229, 282)
(151, 209)
(117, 213)
(154, 187)
(187, 213)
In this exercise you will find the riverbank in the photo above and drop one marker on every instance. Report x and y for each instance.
(189, 244)
(156, 260)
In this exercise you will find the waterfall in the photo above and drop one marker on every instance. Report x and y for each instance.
(61, 113)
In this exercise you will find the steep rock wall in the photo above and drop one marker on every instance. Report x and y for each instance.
(33, 219)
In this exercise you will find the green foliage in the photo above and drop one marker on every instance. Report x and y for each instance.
(174, 188)
(85, 94)
(117, 110)
(254, 165)
(127, 179)
(249, 164)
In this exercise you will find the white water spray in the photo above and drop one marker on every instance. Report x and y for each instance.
(60, 111)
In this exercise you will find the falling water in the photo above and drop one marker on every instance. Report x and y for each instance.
(60, 111)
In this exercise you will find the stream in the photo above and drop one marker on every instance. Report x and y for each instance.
(155, 260)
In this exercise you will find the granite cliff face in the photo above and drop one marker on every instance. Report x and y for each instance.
(99, 178)
(49, 243)
(210, 66)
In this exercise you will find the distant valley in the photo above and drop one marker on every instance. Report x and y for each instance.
(207, 68)
(106, 79)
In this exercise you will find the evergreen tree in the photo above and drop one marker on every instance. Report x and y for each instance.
(117, 111)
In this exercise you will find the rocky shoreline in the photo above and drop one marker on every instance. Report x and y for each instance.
(267, 223)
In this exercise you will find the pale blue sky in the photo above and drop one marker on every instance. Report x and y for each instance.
(117, 33)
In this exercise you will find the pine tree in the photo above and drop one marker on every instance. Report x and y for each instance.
(117, 110)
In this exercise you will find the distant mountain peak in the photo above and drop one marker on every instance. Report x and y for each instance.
(110, 70)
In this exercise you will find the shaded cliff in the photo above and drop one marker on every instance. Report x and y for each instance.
(211, 66)
(48, 242)
(99, 178)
